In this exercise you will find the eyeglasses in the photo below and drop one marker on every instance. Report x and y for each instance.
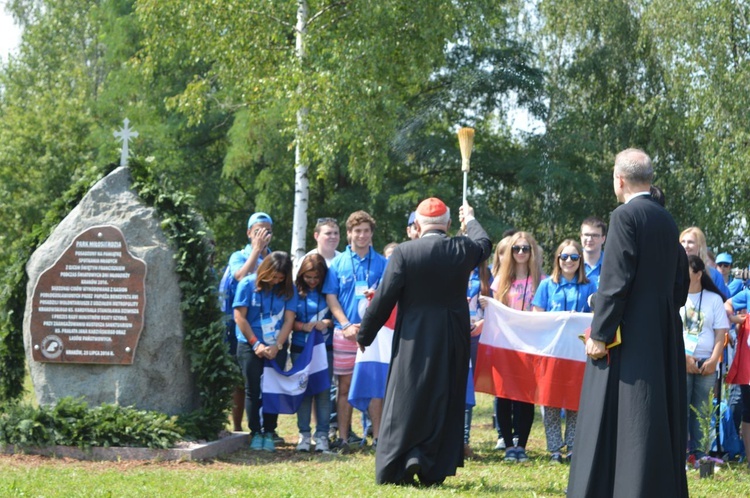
(573, 257)
(521, 249)
(591, 235)
(327, 220)
(724, 265)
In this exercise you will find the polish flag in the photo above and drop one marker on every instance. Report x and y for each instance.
(533, 357)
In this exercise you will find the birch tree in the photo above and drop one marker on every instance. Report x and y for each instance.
(344, 70)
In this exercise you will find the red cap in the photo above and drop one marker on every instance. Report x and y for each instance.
(432, 207)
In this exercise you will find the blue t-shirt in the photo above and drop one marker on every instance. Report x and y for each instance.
(718, 279)
(472, 294)
(262, 308)
(345, 271)
(735, 286)
(568, 295)
(593, 272)
(739, 300)
(311, 308)
(237, 259)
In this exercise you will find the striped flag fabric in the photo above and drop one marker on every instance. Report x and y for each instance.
(532, 357)
(739, 372)
(283, 391)
(370, 374)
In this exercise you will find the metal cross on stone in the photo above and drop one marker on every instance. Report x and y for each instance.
(125, 134)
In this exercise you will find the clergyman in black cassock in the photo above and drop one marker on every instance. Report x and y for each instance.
(632, 419)
(421, 431)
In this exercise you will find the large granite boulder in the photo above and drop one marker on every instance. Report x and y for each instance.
(159, 377)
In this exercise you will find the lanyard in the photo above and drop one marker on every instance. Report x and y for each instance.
(317, 310)
(270, 313)
(565, 300)
(367, 272)
(700, 304)
(523, 296)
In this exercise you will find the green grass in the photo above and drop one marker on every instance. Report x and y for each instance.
(288, 474)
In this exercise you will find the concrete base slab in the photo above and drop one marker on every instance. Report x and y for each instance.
(190, 451)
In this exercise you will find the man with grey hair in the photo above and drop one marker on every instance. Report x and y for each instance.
(423, 410)
(633, 412)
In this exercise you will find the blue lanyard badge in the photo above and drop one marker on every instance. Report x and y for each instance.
(268, 326)
(360, 286)
(359, 289)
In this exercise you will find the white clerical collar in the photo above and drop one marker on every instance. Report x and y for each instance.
(638, 194)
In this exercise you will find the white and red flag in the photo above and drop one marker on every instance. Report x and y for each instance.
(533, 357)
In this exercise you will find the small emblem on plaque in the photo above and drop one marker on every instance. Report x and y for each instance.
(52, 347)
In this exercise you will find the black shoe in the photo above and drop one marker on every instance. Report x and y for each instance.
(341, 447)
(354, 439)
(412, 469)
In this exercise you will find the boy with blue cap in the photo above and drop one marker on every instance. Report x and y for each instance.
(243, 263)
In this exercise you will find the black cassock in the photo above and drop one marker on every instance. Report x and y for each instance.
(423, 408)
(632, 421)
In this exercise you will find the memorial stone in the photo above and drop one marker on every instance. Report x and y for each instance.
(106, 273)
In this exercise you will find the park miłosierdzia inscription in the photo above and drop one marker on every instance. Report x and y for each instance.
(88, 307)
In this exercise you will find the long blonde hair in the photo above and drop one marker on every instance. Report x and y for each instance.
(499, 252)
(507, 272)
(700, 239)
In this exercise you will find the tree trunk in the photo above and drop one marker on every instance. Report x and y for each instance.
(301, 182)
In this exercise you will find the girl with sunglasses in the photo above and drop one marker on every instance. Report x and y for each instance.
(567, 289)
(313, 314)
(264, 311)
(517, 280)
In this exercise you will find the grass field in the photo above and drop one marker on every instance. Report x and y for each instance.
(287, 473)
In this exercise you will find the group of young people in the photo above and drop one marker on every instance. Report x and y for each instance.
(276, 305)
(517, 279)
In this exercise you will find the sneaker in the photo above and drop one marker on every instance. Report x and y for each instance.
(321, 444)
(354, 439)
(521, 455)
(374, 444)
(555, 458)
(268, 444)
(304, 443)
(341, 447)
(500, 444)
(569, 457)
(256, 443)
(511, 455)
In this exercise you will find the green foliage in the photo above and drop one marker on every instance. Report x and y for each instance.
(14, 280)
(202, 320)
(707, 414)
(72, 423)
(290, 473)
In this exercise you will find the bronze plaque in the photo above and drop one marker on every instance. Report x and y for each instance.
(88, 307)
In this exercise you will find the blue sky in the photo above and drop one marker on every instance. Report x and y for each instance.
(10, 34)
